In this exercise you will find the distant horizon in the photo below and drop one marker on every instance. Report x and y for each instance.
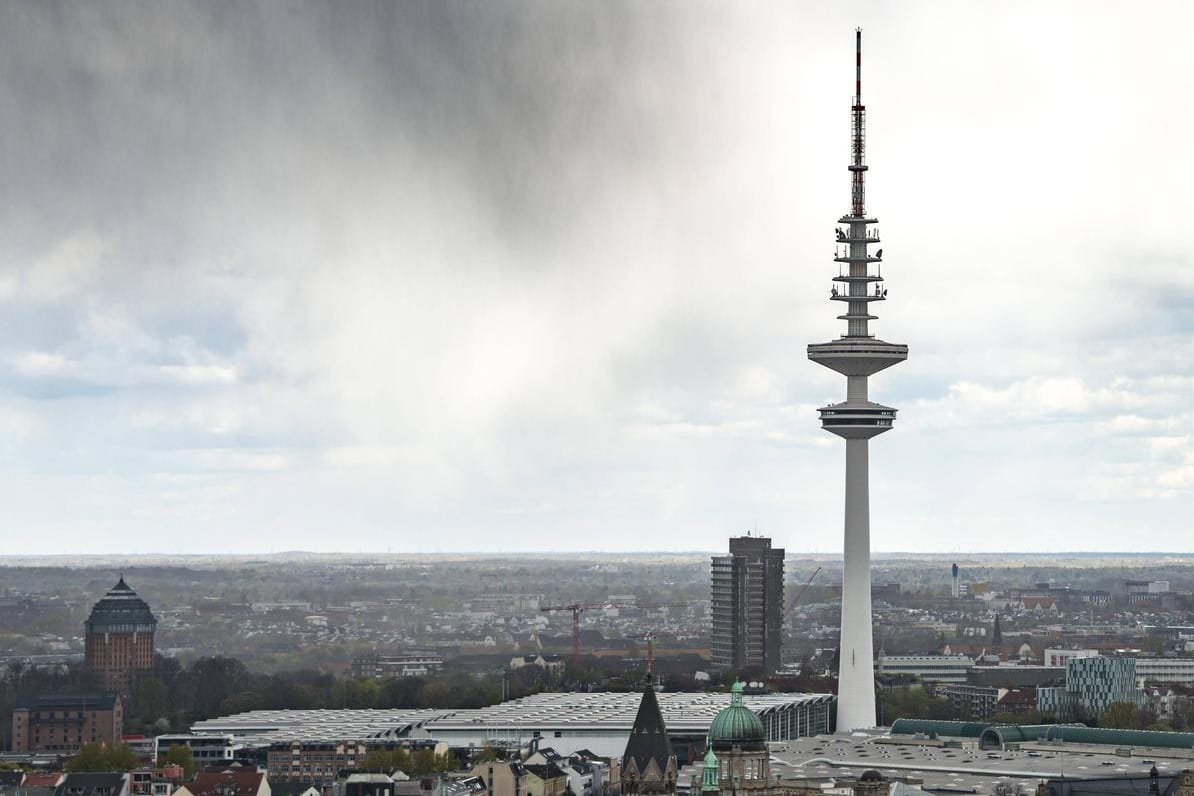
(9, 559)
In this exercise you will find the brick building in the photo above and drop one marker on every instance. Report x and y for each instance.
(119, 639)
(64, 723)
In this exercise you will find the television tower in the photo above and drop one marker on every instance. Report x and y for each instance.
(857, 355)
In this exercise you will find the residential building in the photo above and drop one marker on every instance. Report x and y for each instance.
(1061, 657)
(93, 785)
(973, 702)
(552, 664)
(38, 783)
(119, 639)
(1018, 701)
(362, 783)
(748, 600)
(545, 780)
(230, 782)
(11, 783)
(313, 762)
(502, 778)
(64, 723)
(155, 781)
(412, 665)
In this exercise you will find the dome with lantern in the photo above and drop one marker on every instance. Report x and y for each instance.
(737, 727)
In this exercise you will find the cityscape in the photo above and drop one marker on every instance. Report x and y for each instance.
(344, 458)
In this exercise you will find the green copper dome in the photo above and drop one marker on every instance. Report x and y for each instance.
(737, 725)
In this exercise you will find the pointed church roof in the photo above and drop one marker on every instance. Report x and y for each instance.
(648, 737)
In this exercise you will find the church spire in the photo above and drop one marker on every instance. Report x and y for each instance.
(648, 765)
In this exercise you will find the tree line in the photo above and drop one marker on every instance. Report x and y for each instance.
(171, 697)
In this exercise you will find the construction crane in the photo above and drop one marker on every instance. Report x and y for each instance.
(650, 638)
(802, 590)
(577, 609)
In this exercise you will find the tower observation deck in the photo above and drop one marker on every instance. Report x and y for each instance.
(857, 355)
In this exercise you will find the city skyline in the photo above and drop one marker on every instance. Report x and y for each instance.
(502, 278)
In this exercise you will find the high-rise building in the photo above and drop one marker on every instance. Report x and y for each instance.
(119, 636)
(857, 355)
(748, 600)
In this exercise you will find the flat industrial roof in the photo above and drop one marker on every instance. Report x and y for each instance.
(828, 756)
(274, 726)
(682, 712)
(615, 712)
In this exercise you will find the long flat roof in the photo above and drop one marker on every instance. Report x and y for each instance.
(615, 712)
(274, 726)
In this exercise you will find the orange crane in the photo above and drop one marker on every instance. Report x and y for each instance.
(577, 609)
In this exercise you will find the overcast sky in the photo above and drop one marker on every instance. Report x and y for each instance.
(531, 276)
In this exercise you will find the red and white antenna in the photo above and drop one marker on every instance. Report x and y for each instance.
(858, 143)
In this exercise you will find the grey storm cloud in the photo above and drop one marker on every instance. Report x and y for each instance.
(512, 275)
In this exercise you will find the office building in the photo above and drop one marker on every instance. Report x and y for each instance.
(1091, 685)
(926, 668)
(748, 600)
(1165, 671)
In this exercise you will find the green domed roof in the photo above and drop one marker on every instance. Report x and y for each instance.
(737, 725)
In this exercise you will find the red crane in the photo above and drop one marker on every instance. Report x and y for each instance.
(803, 589)
(577, 609)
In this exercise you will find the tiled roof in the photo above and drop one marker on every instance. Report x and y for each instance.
(120, 611)
(648, 737)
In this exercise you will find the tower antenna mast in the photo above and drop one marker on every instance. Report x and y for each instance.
(858, 141)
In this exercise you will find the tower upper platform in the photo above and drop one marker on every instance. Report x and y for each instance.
(857, 356)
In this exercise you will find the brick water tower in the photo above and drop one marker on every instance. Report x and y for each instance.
(119, 639)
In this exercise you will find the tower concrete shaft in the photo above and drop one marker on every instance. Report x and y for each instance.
(857, 355)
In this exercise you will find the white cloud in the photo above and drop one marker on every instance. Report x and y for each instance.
(541, 297)
(70, 268)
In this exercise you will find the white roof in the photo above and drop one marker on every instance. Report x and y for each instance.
(614, 711)
(682, 712)
(274, 726)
